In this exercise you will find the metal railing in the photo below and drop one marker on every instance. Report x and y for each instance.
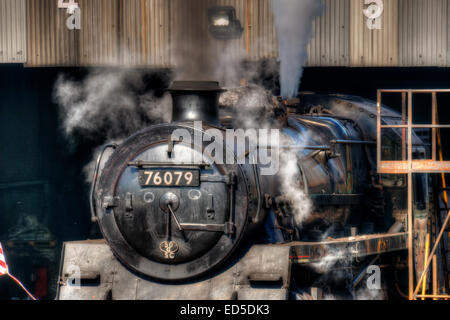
(408, 165)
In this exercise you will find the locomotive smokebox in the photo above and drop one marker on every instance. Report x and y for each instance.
(196, 101)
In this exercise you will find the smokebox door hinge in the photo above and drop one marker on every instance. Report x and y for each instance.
(110, 202)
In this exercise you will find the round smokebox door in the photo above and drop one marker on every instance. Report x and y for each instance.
(170, 214)
(167, 216)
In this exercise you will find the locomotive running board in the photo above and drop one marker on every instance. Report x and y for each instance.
(101, 276)
(261, 272)
(350, 247)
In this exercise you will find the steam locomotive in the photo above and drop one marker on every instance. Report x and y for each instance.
(175, 228)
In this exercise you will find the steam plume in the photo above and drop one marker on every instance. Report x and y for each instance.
(107, 104)
(293, 20)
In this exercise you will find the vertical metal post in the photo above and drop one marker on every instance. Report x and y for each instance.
(422, 166)
(404, 117)
(427, 265)
(378, 130)
(427, 250)
(410, 202)
(435, 277)
(247, 27)
(433, 130)
(247, 35)
(144, 31)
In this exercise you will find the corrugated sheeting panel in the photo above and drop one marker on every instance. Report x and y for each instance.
(13, 31)
(144, 35)
(261, 30)
(257, 42)
(330, 45)
(51, 43)
(98, 42)
(141, 32)
(190, 35)
(423, 32)
(373, 47)
(150, 32)
(448, 34)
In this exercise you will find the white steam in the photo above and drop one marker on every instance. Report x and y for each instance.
(107, 106)
(253, 107)
(103, 105)
(293, 20)
(291, 188)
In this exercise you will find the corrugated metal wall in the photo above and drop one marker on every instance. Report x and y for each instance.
(258, 41)
(144, 33)
(51, 43)
(423, 32)
(373, 47)
(448, 33)
(261, 29)
(331, 36)
(98, 42)
(147, 32)
(189, 29)
(13, 46)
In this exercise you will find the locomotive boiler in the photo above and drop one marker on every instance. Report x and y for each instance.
(179, 224)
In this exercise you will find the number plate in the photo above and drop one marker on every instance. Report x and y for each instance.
(169, 177)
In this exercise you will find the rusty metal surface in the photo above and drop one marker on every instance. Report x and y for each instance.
(144, 32)
(408, 165)
(342, 248)
(418, 166)
(50, 43)
(262, 31)
(13, 47)
(111, 34)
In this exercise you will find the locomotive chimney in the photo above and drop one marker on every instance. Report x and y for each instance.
(196, 101)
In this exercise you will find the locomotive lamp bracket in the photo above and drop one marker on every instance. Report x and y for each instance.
(170, 145)
(110, 202)
(129, 202)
